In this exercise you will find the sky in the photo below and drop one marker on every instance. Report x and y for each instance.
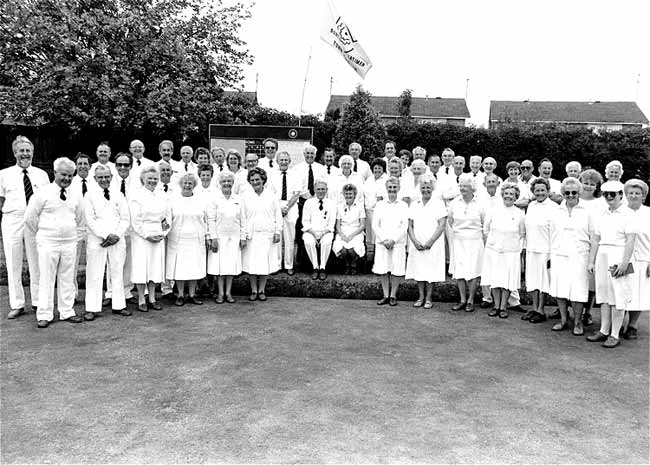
(570, 50)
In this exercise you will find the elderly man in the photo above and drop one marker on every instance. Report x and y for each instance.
(545, 169)
(329, 162)
(103, 153)
(318, 222)
(166, 151)
(18, 184)
(219, 162)
(251, 160)
(573, 169)
(53, 215)
(526, 175)
(390, 150)
(79, 187)
(186, 164)
(107, 219)
(287, 187)
(136, 148)
(169, 185)
(308, 171)
(268, 161)
(360, 166)
(475, 162)
(447, 158)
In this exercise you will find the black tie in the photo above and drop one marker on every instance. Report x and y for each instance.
(165, 187)
(220, 167)
(27, 184)
(475, 174)
(355, 166)
(84, 187)
(320, 204)
(62, 195)
(185, 166)
(107, 196)
(310, 181)
(270, 163)
(139, 162)
(447, 170)
(329, 168)
(284, 186)
(123, 187)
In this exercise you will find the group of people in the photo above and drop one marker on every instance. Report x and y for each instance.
(217, 213)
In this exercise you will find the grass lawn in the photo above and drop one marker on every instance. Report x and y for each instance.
(317, 380)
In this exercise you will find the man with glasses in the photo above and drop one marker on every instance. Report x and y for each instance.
(526, 175)
(268, 161)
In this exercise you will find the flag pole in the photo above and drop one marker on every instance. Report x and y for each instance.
(304, 86)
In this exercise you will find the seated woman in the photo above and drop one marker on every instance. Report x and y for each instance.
(350, 224)
(390, 225)
(426, 257)
(505, 229)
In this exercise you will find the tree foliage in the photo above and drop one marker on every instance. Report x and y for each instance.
(360, 123)
(404, 104)
(155, 65)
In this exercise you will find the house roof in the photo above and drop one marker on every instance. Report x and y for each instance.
(420, 106)
(570, 112)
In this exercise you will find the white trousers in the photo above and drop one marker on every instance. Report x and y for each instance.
(18, 242)
(56, 264)
(81, 246)
(325, 247)
(126, 272)
(288, 241)
(100, 259)
(449, 242)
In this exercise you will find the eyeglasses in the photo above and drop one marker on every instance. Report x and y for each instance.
(526, 167)
(609, 194)
(269, 148)
(570, 192)
(124, 165)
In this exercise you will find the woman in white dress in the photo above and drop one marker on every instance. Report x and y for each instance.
(466, 218)
(150, 222)
(504, 230)
(263, 220)
(227, 235)
(571, 233)
(390, 225)
(636, 192)
(346, 176)
(426, 258)
(206, 187)
(187, 240)
(395, 169)
(349, 243)
(612, 247)
(417, 169)
(234, 161)
(539, 218)
(371, 187)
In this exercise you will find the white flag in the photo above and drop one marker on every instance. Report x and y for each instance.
(336, 32)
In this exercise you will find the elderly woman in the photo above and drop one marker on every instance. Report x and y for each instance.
(612, 247)
(571, 232)
(263, 220)
(234, 161)
(466, 218)
(150, 222)
(395, 169)
(412, 176)
(371, 187)
(227, 233)
(390, 225)
(426, 257)
(636, 192)
(405, 157)
(504, 230)
(539, 218)
(206, 187)
(350, 224)
(186, 242)
(347, 176)
(202, 156)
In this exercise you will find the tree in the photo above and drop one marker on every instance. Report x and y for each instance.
(156, 65)
(360, 123)
(404, 104)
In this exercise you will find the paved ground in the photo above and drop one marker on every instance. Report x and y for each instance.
(300, 380)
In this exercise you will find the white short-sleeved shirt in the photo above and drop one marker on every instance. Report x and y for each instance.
(571, 231)
(425, 217)
(467, 218)
(390, 221)
(539, 220)
(612, 226)
(13, 189)
(503, 227)
(641, 226)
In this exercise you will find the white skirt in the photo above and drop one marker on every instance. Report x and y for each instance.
(538, 276)
(427, 265)
(467, 256)
(390, 261)
(147, 260)
(358, 244)
(227, 260)
(639, 284)
(186, 260)
(261, 256)
(569, 277)
(501, 269)
(609, 290)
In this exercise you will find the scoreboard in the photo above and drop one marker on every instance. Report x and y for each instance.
(249, 139)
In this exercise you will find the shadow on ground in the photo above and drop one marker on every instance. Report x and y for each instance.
(306, 380)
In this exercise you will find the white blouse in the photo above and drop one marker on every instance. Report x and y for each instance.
(505, 228)
(351, 217)
(188, 219)
(467, 218)
(612, 226)
(226, 217)
(148, 210)
(641, 226)
(262, 213)
(390, 221)
(571, 231)
(426, 216)
(539, 218)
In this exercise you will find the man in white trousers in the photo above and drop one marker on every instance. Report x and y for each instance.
(107, 220)
(318, 222)
(53, 215)
(18, 184)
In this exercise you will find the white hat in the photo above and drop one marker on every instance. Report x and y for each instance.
(612, 186)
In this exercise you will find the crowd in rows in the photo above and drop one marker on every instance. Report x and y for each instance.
(215, 212)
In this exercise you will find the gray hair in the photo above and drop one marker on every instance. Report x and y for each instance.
(427, 178)
(21, 140)
(345, 158)
(573, 163)
(510, 185)
(468, 179)
(191, 176)
(631, 183)
(566, 182)
(392, 180)
(150, 169)
(225, 175)
(63, 163)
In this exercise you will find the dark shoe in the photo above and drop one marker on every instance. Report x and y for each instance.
(89, 316)
(469, 308)
(106, 302)
(126, 312)
(42, 324)
(516, 308)
(611, 342)
(493, 312)
(537, 318)
(314, 275)
(526, 316)
(322, 275)
(261, 296)
(459, 306)
(154, 305)
(132, 300)
(219, 299)
(180, 301)
(230, 299)
(291, 271)
(353, 271)
(555, 315)
(587, 320)
(143, 308)
(15, 313)
(597, 336)
(383, 301)
(631, 333)
(503, 314)
(74, 319)
(253, 296)
(194, 300)
(485, 304)
(170, 296)
(392, 301)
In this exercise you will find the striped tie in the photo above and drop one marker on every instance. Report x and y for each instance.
(27, 184)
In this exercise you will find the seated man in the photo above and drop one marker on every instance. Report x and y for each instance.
(318, 221)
